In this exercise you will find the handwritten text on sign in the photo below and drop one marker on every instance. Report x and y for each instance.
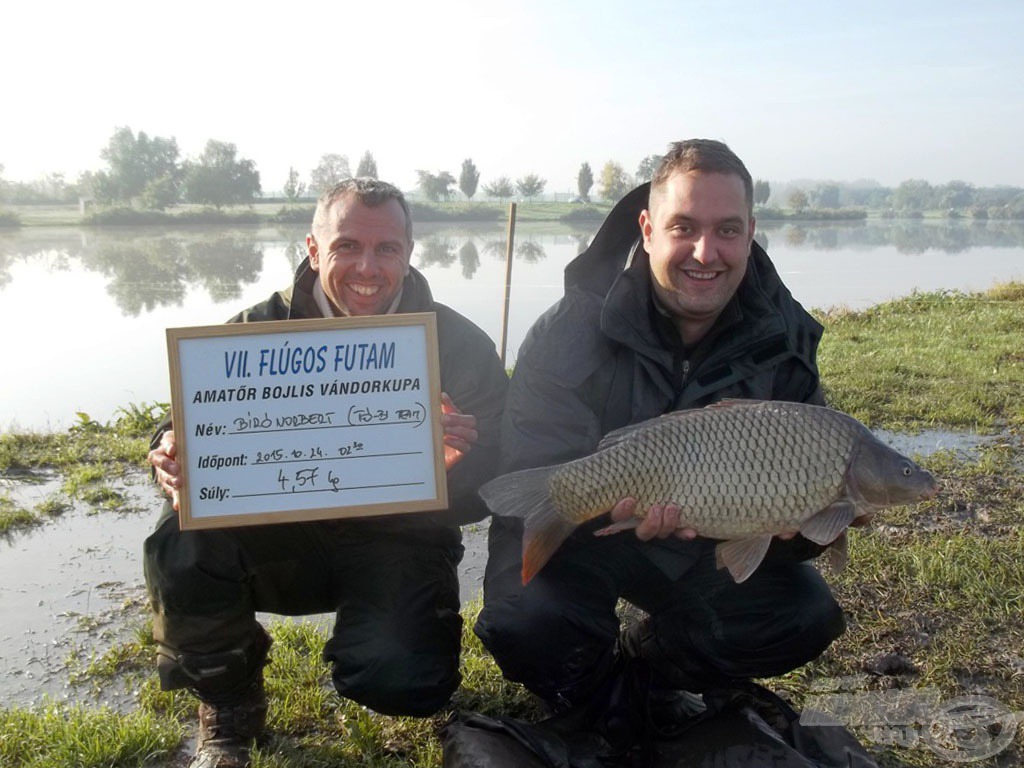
(307, 419)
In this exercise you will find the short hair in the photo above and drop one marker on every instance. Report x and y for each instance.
(706, 156)
(368, 191)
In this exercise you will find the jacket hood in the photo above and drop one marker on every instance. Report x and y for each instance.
(610, 253)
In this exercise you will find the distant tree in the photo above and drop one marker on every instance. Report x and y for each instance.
(220, 177)
(584, 181)
(956, 194)
(133, 162)
(615, 182)
(912, 195)
(530, 185)
(500, 188)
(762, 191)
(798, 200)
(161, 193)
(645, 171)
(435, 186)
(293, 188)
(367, 166)
(469, 177)
(329, 171)
(826, 196)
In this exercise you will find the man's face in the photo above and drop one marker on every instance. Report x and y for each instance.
(362, 255)
(697, 232)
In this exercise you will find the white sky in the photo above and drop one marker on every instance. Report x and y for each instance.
(814, 89)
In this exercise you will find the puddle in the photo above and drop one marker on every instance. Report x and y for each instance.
(929, 441)
(73, 587)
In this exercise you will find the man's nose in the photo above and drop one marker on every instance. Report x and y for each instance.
(364, 260)
(703, 249)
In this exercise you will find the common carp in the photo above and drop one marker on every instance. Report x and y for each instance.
(741, 471)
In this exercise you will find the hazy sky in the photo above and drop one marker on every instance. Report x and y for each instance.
(884, 90)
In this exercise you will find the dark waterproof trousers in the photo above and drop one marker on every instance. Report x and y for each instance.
(394, 588)
(558, 635)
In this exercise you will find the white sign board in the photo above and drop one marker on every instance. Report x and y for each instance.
(307, 419)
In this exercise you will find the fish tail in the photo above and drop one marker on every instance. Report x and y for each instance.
(525, 495)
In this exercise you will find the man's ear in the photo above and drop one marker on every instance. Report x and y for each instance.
(314, 253)
(646, 227)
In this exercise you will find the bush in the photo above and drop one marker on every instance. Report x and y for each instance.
(587, 213)
(9, 219)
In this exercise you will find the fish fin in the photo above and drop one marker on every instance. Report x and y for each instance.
(730, 402)
(525, 495)
(838, 553)
(742, 556)
(543, 533)
(825, 527)
(614, 528)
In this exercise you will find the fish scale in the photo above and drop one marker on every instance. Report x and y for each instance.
(740, 471)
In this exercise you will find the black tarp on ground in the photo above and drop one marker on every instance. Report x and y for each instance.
(748, 729)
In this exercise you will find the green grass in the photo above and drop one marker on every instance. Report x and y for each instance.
(952, 360)
(938, 586)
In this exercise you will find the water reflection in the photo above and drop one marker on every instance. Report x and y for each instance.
(469, 258)
(907, 236)
(128, 285)
(154, 268)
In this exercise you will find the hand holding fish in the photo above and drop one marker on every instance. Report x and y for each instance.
(459, 432)
(660, 522)
(165, 466)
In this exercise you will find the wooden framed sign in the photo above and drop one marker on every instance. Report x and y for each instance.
(307, 419)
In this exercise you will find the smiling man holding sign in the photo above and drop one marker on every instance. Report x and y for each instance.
(391, 579)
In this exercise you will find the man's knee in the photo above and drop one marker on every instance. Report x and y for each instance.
(396, 680)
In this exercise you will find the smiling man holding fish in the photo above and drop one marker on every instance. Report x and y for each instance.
(680, 313)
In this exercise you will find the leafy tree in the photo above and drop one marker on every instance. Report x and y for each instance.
(469, 177)
(826, 196)
(762, 191)
(293, 188)
(220, 177)
(329, 171)
(133, 162)
(645, 171)
(584, 181)
(530, 185)
(615, 182)
(161, 193)
(367, 166)
(435, 186)
(500, 188)
(797, 199)
(956, 194)
(912, 195)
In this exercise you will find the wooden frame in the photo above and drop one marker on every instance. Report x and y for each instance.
(295, 420)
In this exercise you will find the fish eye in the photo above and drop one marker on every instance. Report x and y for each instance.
(907, 470)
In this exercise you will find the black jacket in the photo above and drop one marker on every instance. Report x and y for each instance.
(599, 358)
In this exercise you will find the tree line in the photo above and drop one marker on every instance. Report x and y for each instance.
(149, 172)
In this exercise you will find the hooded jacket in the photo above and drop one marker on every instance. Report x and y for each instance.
(604, 357)
(470, 372)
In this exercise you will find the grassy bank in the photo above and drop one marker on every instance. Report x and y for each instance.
(934, 595)
(278, 212)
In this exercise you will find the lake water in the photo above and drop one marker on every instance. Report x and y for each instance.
(83, 311)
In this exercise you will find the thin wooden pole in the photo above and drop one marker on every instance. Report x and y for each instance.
(508, 278)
